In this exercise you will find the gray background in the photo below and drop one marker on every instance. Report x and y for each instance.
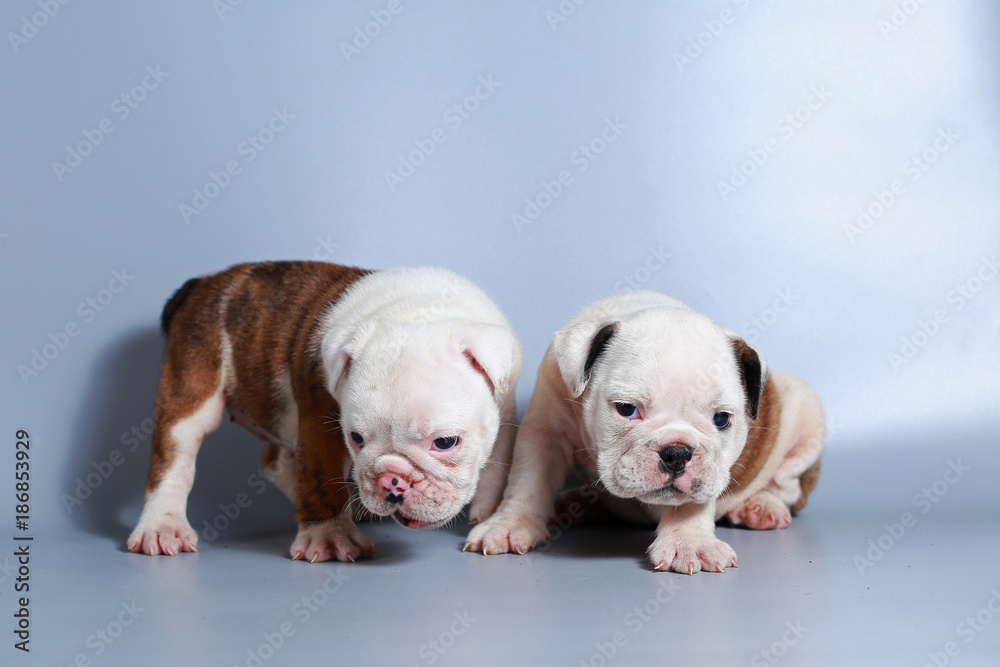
(904, 96)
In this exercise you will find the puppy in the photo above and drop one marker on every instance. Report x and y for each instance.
(409, 374)
(676, 418)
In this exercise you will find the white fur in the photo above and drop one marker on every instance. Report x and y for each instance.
(680, 369)
(392, 347)
(163, 526)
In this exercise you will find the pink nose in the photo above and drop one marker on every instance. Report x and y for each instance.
(394, 487)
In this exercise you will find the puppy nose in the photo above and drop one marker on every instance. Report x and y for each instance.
(394, 487)
(674, 458)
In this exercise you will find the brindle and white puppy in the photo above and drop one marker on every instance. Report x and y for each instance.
(675, 417)
(407, 373)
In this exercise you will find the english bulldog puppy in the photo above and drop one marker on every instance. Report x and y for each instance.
(408, 374)
(675, 419)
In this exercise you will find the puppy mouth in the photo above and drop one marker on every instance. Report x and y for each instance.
(668, 489)
(416, 524)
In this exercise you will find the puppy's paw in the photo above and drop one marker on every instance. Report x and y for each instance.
(762, 511)
(688, 554)
(167, 534)
(482, 508)
(336, 539)
(503, 533)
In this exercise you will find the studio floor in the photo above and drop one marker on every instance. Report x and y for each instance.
(892, 563)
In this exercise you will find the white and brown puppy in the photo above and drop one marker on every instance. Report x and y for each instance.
(675, 418)
(407, 373)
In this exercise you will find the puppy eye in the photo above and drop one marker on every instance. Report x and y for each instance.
(358, 440)
(443, 444)
(627, 410)
(722, 420)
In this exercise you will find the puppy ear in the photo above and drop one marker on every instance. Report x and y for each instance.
(753, 373)
(337, 350)
(493, 352)
(577, 348)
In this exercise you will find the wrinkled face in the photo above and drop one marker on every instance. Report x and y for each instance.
(666, 410)
(420, 422)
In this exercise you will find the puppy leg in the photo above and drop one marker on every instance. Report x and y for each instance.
(279, 466)
(163, 527)
(539, 470)
(322, 493)
(802, 437)
(493, 479)
(686, 542)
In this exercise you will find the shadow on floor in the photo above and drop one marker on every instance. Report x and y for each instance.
(105, 475)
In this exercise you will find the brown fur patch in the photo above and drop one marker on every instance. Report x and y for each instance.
(760, 441)
(271, 313)
(807, 483)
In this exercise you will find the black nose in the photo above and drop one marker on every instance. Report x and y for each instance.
(674, 458)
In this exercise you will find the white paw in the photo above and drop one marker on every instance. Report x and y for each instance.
(687, 553)
(482, 509)
(505, 532)
(762, 511)
(489, 493)
(336, 539)
(166, 534)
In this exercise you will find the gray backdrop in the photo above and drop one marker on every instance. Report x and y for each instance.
(822, 178)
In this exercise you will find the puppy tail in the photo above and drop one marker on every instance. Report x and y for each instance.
(175, 302)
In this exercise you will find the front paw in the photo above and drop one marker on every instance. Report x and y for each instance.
(336, 539)
(483, 507)
(688, 554)
(166, 534)
(505, 532)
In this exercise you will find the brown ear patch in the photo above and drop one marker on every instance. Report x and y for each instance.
(751, 374)
(597, 346)
(760, 441)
